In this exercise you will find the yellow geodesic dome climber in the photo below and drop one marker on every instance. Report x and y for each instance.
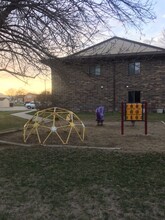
(53, 126)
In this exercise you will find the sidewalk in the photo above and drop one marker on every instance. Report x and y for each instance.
(15, 108)
(22, 111)
(24, 114)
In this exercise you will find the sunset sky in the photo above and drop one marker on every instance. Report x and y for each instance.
(37, 85)
(152, 32)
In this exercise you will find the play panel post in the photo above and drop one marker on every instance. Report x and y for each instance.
(133, 112)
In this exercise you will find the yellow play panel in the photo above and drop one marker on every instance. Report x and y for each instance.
(134, 112)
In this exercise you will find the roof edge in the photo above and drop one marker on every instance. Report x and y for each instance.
(117, 38)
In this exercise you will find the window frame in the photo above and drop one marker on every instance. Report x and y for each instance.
(136, 94)
(134, 68)
(94, 70)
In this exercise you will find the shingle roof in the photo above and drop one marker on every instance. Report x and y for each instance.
(118, 46)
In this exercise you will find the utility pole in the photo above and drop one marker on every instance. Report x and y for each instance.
(45, 85)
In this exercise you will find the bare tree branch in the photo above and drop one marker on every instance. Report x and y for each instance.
(31, 30)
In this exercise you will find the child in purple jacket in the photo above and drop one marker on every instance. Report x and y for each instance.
(100, 115)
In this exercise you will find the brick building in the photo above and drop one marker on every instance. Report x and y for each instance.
(108, 73)
(30, 97)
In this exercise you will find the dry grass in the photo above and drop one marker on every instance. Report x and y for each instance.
(109, 136)
(56, 183)
(83, 184)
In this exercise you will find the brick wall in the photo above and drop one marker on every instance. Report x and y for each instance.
(75, 89)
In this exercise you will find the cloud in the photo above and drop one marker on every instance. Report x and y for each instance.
(157, 40)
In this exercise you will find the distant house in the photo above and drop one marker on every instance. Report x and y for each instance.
(108, 73)
(4, 101)
(19, 99)
(30, 97)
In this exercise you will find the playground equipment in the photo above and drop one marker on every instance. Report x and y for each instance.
(133, 112)
(100, 115)
(57, 122)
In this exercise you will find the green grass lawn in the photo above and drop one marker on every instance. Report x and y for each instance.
(156, 117)
(9, 122)
(54, 183)
(114, 116)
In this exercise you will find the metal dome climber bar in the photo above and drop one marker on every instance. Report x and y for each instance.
(57, 123)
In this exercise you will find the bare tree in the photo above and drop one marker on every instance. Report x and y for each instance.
(21, 92)
(11, 92)
(31, 30)
(14, 93)
(45, 99)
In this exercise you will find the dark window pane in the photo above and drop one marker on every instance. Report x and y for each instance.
(137, 96)
(94, 70)
(91, 70)
(97, 70)
(131, 96)
(131, 68)
(134, 68)
(134, 96)
(137, 68)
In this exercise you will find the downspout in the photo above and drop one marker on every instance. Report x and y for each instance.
(114, 86)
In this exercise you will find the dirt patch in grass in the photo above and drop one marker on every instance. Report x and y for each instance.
(108, 136)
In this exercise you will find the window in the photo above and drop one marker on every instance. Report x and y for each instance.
(134, 96)
(94, 70)
(134, 68)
